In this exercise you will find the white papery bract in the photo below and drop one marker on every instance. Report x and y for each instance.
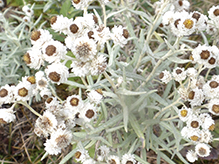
(201, 20)
(94, 97)
(196, 97)
(23, 91)
(206, 136)
(211, 27)
(80, 69)
(60, 24)
(6, 94)
(84, 49)
(33, 58)
(27, 10)
(191, 72)
(40, 37)
(41, 81)
(168, 18)
(89, 21)
(57, 73)
(98, 65)
(81, 155)
(185, 113)
(191, 156)
(183, 24)
(202, 149)
(213, 106)
(102, 152)
(89, 161)
(81, 4)
(53, 51)
(165, 76)
(119, 35)
(180, 5)
(102, 35)
(51, 147)
(179, 74)
(88, 113)
(7, 115)
(113, 159)
(211, 89)
(128, 157)
(213, 13)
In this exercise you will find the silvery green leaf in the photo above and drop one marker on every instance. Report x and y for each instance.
(177, 60)
(124, 91)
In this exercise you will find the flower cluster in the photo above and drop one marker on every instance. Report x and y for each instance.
(28, 11)
(202, 98)
(103, 154)
(85, 38)
(184, 23)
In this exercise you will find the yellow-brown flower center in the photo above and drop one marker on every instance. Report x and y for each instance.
(202, 151)
(125, 33)
(35, 35)
(112, 161)
(212, 60)
(22, 92)
(195, 124)
(77, 154)
(191, 95)
(54, 76)
(53, 19)
(50, 50)
(194, 138)
(205, 54)
(31, 79)
(89, 113)
(188, 23)
(74, 28)
(213, 84)
(183, 113)
(178, 71)
(49, 100)
(74, 101)
(26, 58)
(3, 92)
(196, 16)
(216, 12)
(215, 109)
(211, 128)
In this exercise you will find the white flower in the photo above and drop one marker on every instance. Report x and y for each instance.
(191, 72)
(195, 135)
(84, 49)
(46, 124)
(41, 81)
(183, 24)
(60, 23)
(101, 35)
(27, 10)
(102, 152)
(214, 13)
(2, 3)
(202, 149)
(194, 122)
(6, 94)
(213, 106)
(211, 27)
(98, 65)
(26, 19)
(181, 5)
(168, 18)
(104, 1)
(81, 155)
(206, 136)
(90, 20)
(80, 69)
(33, 58)
(89, 161)
(183, 92)
(208, 123)
(81, 4)
(113, 159)
(201, 20)
(51, 147)
(185, 132)
(184, 113)
(128, 157)
(75, 29)
(94, 97)
(119, 35)
(57, 73)
(23, 91)
(196, 97)
(211, 89)
(74, 103)
(191, 156)
(7, 115)
(179, 74)
(39, 37)
(165, 76)
(53, 51)
(88, 113)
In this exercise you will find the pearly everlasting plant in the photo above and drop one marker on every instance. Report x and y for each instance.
(138, 81)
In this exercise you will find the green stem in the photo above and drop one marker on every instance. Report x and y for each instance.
(30, 108)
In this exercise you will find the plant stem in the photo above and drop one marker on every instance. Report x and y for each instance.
(30, 108)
